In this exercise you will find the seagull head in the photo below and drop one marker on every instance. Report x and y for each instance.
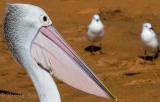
(147, 26)
(96, 18)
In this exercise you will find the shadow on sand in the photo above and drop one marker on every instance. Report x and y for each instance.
(4, 92)
(149, 58)
(95, 48)
(132, 73)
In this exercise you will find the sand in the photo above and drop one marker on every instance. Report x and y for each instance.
(128, 77)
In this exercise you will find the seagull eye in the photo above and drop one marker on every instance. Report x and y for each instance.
(146, 26)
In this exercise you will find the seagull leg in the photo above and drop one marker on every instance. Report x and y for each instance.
(145, 54)
(92, 48)
(157, 53)
(101, 52)
(158, 50)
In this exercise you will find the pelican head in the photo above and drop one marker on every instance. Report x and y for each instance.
(42, 51)
(147, 26)
(96, 18)
(22, 24)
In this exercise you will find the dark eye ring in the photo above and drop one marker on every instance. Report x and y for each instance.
(44, 18)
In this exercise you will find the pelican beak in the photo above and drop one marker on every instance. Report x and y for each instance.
(52, 52)
(51, 33)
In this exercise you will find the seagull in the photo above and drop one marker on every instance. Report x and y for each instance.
(149, 40)
(42, 52)
(95, 32)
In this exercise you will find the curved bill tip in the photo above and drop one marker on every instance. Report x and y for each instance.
(114, 98)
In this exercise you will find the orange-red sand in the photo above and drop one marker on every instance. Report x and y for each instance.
(126, 75)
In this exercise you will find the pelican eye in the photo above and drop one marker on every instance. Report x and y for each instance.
(44, 18)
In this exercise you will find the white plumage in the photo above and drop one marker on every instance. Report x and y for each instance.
(149, 39)
(95, 31)
(41, 50)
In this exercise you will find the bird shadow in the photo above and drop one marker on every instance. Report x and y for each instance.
(92, 48)
(5, 92)
(149, 58)
(132, 73)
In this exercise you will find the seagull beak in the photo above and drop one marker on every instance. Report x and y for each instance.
(97, 20)
(51, 50)
(152, 28)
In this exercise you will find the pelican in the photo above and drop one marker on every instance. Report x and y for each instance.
(95, 32)
(42, 52)
(149, 39)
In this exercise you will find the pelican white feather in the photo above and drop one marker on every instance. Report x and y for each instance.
(41, 50)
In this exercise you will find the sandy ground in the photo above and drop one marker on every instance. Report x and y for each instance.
(120, 68)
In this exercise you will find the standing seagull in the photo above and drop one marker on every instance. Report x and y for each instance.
(40, 49)
(95, 32)
(149, 40)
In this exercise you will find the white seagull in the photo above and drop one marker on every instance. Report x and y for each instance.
(95, 32)
(149, 39)
(40, 49)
